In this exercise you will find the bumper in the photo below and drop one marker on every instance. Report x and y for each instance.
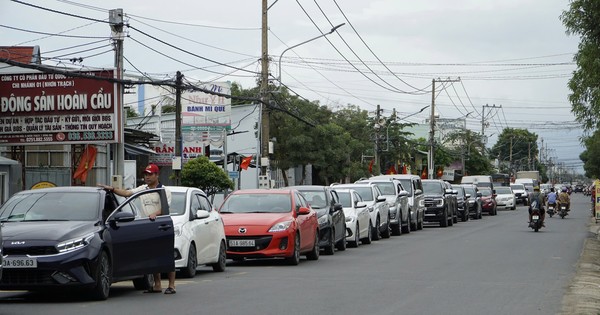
(279, 244)
(434, 214)
(324, 236)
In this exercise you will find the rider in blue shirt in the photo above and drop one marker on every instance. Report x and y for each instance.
(552, 197)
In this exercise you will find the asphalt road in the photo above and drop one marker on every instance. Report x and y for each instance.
(492, 266)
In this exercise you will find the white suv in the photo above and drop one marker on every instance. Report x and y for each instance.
(416, 203)
(397, 199)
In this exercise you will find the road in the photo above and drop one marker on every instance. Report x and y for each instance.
(492, 266)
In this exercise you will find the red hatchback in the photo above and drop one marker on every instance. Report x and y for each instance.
(488, 201)
(265, 223)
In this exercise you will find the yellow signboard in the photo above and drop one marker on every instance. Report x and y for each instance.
(43, 185)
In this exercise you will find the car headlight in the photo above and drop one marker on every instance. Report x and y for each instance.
(471, 201)
(350, 218)
(74, 244)
(422, 203)
(281, 226)
(322, 219)
(439, 202)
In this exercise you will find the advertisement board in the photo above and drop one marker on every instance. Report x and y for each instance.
(45, 108)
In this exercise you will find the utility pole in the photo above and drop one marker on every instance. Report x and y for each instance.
(376, 151)
(178, 144)
(264, 95)
(483, 138)
(115, 18)
(430, 162)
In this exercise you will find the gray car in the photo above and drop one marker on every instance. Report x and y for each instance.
(397, 199)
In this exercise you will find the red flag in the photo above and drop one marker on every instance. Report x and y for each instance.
(88, 158)
(391, 170)
(245, 162)
(371, 166)
(404, 170)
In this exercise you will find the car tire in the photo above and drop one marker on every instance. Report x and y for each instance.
(396, 229)
(386, 231)
(144, 283)
(420, 223)
(465, 217)
(192, 262)
(413, 225)
(220, 265)
(341, 244)
(295, 258)
(454, 218)
(314, 253)
(356, 241)
(330, 248)
(102, 276)
(408, 227)
(376, 234)
(444, 220)
(369, 238)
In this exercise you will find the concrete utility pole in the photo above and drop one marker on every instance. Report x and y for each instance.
(178, 145)
(376, 150)
(115, 18)
(483, 139)
(264, 95)
(430, 162)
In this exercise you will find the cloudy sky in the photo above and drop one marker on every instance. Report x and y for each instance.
(511, 54)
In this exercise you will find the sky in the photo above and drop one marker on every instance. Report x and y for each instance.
(508, 60)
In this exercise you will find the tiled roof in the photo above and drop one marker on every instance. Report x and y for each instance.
(24, 54)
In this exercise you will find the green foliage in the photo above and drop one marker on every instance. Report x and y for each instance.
(131, 112)
(206, 175)
(583, 19)
(469, 143)
(518, 150)
(591, 156)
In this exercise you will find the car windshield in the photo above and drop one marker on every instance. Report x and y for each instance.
(407, 185)
(386, 188)
(460, 190)
(519, 187)
(257, 203)
(364, 192)
(316, 198)
(503, 190)
(485, 192)
(432, 188)
(52, 206)
(345, 199)
(177, 206)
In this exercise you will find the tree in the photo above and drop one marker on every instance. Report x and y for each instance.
(206, 175)
(591, 156)
(469, 144)
(518, 149)
(582, 19)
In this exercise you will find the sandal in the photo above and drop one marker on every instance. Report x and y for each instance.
(170, 291)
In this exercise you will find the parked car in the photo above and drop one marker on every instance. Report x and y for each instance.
(270, 223)
(84, 238)
(453, 200)
(377, 206)
(416, 204)
(505, 198)
(488, 201)
(473, 200)
(199, 231)
(438, 202)
(1, 252)
(397, 199)
(521, 194)
(461, 201)
(358, 219)
(330, 215)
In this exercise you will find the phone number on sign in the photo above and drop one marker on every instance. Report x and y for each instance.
(90, 135)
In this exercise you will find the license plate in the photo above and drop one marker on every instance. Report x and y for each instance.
(535, 217)
(10, 262)
(241, 243)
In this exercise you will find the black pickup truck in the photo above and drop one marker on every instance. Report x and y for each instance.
(439, 202)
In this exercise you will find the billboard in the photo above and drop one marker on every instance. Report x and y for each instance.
(45, 108)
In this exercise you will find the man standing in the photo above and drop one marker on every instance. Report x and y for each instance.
(152, 209)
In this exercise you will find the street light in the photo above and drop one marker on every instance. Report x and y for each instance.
(302, 43)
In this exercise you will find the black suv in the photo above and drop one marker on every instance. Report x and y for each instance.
(439, 202)
(473, 200)
(332, 221)
(461, 203)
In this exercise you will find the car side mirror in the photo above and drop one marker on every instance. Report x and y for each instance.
(468, 196)
(380, 199)
(479, 194)
(122, 217)
(337, 207)
(403, 193)
(303, 211)
(202, 214)
(360, 204)
(418, 192)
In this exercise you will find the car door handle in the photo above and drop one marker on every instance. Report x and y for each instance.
(164, 227)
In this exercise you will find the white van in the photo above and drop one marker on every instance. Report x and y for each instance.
(484, 181)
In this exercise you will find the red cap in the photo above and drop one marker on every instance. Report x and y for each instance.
(151, 168)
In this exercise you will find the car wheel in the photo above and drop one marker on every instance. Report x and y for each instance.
(455, 217)
(220, 265)
(465, 216)
(356, 240)
(192, 262)
(341, 244)
(295, 258)
(369, 238)
(314, 253)
(444, 221)
(413, 225)
(420, 223)
(386, 231)
(144, 283)
(102, 275)
(376, 230)
(396, 229)
(406, 229)
(330, 248)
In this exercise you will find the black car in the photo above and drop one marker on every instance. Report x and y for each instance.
(332, 221)
(461, 202)
(439, 202)
(473, 200)
(83, 238)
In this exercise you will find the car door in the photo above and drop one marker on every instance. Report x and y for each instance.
(362, 216)
(306, 229)
(337, 215)
(140, 245)
(209, 230)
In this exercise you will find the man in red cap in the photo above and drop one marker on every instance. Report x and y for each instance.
(151, 208)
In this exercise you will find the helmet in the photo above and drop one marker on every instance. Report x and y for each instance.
(564, 189)
(536, 188)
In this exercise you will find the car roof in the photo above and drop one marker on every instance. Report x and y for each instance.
(183, 189)
(307, 187)
(280, 191)
(64, 189)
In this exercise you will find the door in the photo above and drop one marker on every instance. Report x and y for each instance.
(140, 245)
(206, 230)
(337, 216)
(306, 229)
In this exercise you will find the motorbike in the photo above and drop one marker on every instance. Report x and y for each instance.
(551, 209)
(536, 220)
(563, 211)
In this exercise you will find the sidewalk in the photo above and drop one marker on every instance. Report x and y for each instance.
(583, 294)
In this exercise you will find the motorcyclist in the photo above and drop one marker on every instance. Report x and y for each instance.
(552, 196)
(564, 198)
(539, 198)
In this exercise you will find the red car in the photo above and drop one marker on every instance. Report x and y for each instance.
(488, 201)
(265, 223)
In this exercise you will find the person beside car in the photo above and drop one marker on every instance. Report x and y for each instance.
(151, 208)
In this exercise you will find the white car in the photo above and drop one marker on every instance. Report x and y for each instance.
(199, 231)
(520, 193)
(358, 220)
(377, 206)
(505, 198)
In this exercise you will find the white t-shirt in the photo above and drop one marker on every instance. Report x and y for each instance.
(151, 202)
